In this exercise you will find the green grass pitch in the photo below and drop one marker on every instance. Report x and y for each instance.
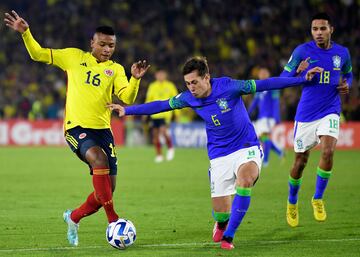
(170, 206)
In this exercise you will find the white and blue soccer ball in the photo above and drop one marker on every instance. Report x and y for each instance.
(121, 234)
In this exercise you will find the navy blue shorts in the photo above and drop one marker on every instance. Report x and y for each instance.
(81, 139)
(157, 123)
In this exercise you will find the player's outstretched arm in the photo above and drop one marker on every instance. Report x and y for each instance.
(141, 109)
(36, 52)
(284, 82)
(15, 22)
(311, 73)
(117, 107)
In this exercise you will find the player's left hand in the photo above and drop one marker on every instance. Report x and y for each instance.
(311, 73)
(343, 87)
(139, 68)
(116, 107)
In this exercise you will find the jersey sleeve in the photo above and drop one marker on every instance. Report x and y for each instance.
(125, 90)
(293, 63)
(346, 69)
(65, 58)
(243, 87)
(148, 108)
(36, 52)
(278, 83)
(178, 102)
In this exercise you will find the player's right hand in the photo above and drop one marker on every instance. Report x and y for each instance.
(118, 108)
(15, 22)
(311, 73)
(303, 66)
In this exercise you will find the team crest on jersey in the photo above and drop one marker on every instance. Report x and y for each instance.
(223, 104)
(336, 62)
(109, 72)
(82, 135)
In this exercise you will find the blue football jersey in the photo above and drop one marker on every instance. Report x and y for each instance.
(268, 104)
(228, 125)
(320, 97)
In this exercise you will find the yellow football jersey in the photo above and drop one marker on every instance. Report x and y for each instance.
(161, 91)
(90, 84)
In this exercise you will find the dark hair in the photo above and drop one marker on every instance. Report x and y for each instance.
(198, 63)
(107, 30)
(321, 16)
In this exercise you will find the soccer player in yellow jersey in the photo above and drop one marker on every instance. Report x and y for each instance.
(161, 89)
(92, 79)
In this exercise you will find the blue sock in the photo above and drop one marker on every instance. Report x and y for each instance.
(276, 149)
(267, 148)
(322, 179)
(294, 186)
(239, 208)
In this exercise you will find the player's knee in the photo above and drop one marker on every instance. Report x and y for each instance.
(155, 140)
(247, 181)
(301, 161)
(327, 154)
(99, 159)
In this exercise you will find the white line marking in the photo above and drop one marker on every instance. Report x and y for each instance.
(182, 244)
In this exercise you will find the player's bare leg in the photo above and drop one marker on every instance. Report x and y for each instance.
(156, 142)
(295, 178)
(163, 130)
(328, 145)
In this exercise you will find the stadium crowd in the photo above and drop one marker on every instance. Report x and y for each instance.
(236, 36)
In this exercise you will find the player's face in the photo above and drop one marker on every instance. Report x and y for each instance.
(198, 86)
(321, 32)
(103, 46)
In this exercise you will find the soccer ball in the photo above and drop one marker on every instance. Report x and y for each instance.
(121, 234)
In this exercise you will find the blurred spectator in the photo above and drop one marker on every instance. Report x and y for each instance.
(234, 35)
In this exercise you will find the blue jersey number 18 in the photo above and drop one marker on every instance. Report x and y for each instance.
(325, 77)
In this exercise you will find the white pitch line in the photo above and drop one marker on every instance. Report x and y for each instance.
(181, 244)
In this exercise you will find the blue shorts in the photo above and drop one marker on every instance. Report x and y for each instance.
(81, 139)
(157, 123)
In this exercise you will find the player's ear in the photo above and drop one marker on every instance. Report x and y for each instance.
(207, 76)
(331, 29)
(93, 40)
